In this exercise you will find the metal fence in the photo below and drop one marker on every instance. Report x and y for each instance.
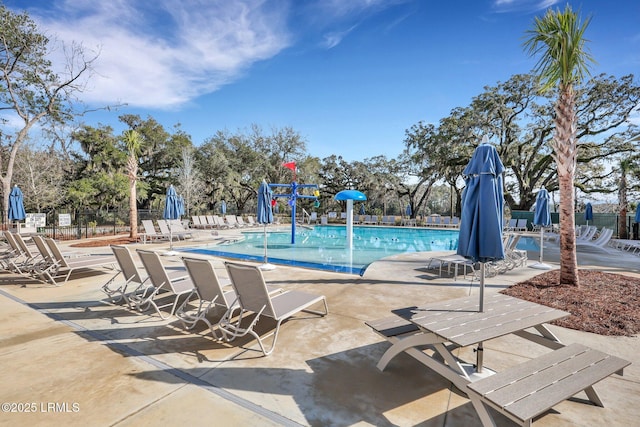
(608, 220)
(86, 224)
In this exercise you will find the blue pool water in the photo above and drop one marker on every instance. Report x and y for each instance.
(324, 246)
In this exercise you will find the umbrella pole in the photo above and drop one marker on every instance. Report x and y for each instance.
(540, 265)
(265, 265)
(266, 260)
(541, 243)
(481, 287)
(480, 349)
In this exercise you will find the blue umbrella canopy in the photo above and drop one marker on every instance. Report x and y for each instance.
(362, 209)
(408, 210)
(481, 221)
(171, 205)
(588, 212)
(16, 205)
(264, 214)
(542, 216)
(181, 210)
(223, 207)
(638, 213)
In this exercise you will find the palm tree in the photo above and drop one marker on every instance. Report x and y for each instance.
(559, 38)
(131, 139)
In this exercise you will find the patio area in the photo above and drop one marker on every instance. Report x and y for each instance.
(70, 357)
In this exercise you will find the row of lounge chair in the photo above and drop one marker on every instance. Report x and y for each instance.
(44, 260)
(246, 299)
(516, 224)
(167, 229)
(589, 237)
(216, 221)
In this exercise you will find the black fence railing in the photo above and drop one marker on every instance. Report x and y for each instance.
(72, 225)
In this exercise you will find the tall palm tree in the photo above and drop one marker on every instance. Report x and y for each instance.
(558, 37)
(132, 141)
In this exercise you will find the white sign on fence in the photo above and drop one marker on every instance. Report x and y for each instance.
(64, 220)
(35, 220)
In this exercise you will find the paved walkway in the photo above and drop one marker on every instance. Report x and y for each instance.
(68, 357)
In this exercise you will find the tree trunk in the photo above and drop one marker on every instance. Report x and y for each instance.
(568, 256)
(622, 200)
(132, 167)
(565, 150)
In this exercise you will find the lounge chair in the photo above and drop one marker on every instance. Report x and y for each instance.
(208, 289)
(587, 234)
(63, 264)
(241, 222)
(14, 259)
(150, 232)
(253, 297)
(521, 225)
(217, 221)
(511, 226)
(211, 291)
(162, 285)
(10, 251)
(171, 232)
(231, 221)
(117, 290)
(196, 222)
(177, 226)
(454, 260)
(599, 242)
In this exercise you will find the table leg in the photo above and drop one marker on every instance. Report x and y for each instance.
(402, 345)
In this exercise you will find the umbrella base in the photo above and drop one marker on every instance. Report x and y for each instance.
(267, 267)
(541, 266)
(473, 375)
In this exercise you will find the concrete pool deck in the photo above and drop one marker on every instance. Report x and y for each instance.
(71, 358)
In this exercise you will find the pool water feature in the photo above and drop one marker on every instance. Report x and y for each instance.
(324, 246)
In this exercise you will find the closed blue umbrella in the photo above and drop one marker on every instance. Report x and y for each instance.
(171, 210)
(542, 218)
(362, 209)
(408, 210)
(638, 213)
(265, 216)
(480, 235)
(481, 221)
(16, 205)
(223, 207)
(588, 213)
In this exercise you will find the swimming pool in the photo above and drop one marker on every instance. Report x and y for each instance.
(324, 246)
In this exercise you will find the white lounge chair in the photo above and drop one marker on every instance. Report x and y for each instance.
(599, 242)
(174, 231)
(253, 297)
(196, 222)
(150, 232)
(163, 286)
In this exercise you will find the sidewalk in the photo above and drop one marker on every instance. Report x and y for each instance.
(70, 358)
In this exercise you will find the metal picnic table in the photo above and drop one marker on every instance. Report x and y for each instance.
(446, 325)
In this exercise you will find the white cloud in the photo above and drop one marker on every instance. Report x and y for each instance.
(166, 54)
(523, 5)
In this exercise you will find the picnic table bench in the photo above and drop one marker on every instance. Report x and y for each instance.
(532, 388)
(429, 333)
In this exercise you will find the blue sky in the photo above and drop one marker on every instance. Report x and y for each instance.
(349, 75)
